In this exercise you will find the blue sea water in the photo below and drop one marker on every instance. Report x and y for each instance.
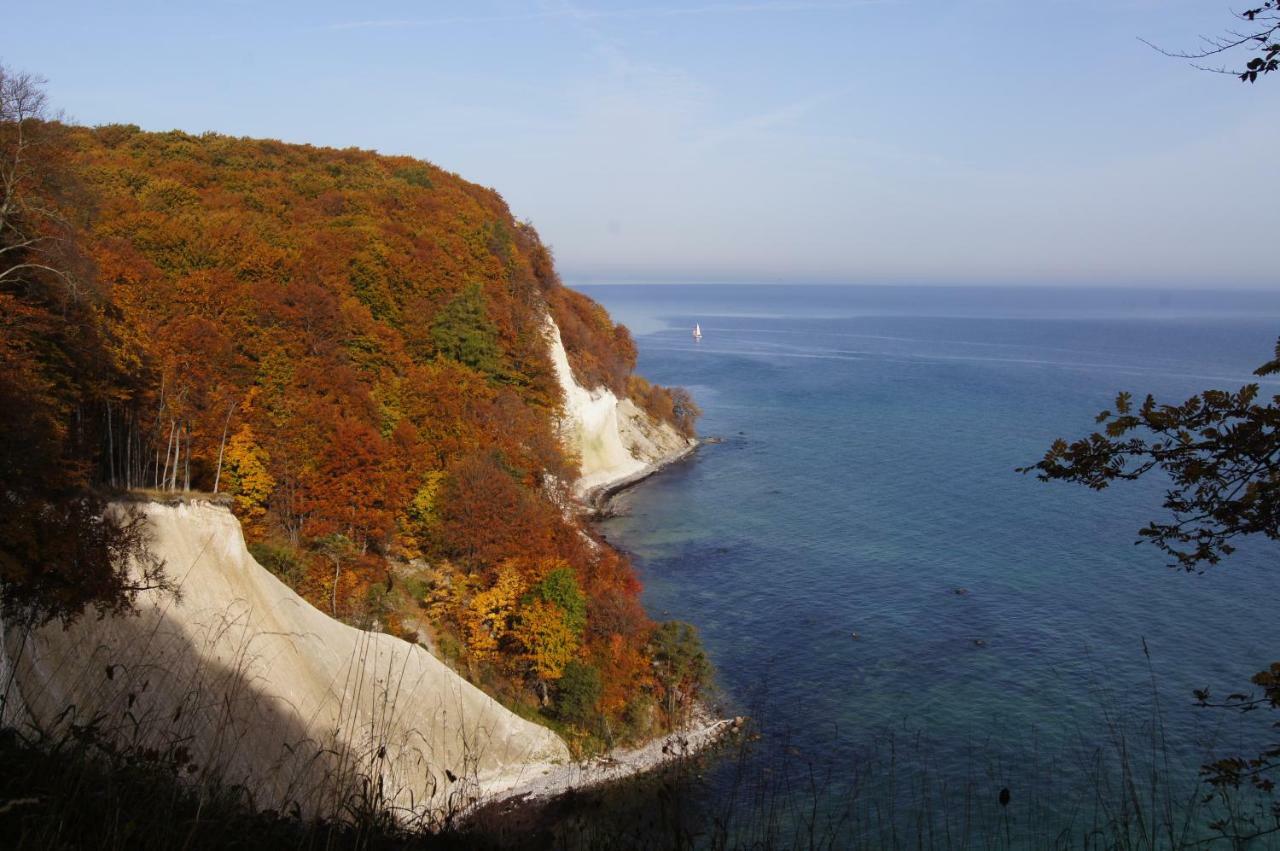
(1009, 632)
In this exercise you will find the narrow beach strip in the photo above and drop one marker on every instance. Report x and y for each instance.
(545, 781)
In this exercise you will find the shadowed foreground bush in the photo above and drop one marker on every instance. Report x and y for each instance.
(79, 794)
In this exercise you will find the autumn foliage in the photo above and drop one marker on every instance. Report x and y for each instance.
(352, 346)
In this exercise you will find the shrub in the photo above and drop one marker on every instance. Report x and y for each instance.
(416, 175)
(281, 559)
(672, 405)
(680, 663)
(449, 647)
(684, 411)
(560, 587)
(639, 717)
(578, 693)
(464, 332)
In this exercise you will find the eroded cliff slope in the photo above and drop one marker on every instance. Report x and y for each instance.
(614, 440)
(264, 690)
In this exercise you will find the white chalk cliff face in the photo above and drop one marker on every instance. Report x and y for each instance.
(268, 691)
(614, 440)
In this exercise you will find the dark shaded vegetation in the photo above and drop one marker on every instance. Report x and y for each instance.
(1111, 787)
(62, 366)
(72, 796)
(682, 665)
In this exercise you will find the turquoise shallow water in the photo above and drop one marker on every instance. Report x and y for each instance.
(866, 484)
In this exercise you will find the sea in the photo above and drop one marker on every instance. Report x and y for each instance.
(933, 649)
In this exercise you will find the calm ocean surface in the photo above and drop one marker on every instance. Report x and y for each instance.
(866, 484)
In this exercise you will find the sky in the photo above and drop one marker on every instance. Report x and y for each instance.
(822, 141)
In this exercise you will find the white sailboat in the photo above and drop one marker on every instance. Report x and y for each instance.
(697, 331)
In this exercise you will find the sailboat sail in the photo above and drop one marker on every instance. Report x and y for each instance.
(697, 331)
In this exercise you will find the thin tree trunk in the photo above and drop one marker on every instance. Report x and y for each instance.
(337, 569)
(164, 471)
(168, 452)
(177, 458)
(131, 463)
(186, 468)
(155, 432)
(221, 446)
(111, 449)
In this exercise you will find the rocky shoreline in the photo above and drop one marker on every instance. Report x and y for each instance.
(540, 784)
(619, 445)
(598, 501)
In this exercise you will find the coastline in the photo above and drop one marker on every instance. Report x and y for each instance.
(537, 785)
(598, 501)
(540, 784)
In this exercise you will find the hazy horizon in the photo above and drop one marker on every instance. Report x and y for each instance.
(1067, 285)
(823, 141)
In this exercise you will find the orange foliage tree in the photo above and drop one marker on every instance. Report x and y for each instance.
(354, 346)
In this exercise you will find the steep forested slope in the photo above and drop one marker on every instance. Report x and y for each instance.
(354, 347)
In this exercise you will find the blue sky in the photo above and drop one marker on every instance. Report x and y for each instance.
(867, 141)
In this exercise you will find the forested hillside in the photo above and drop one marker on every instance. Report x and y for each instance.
(353, 348)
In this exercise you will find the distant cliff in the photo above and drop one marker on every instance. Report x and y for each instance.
(613, 440)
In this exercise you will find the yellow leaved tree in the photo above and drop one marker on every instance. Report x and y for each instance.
(487, 618)
(251, 481)
(549, 641)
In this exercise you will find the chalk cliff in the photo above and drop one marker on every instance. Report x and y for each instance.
(267, 691)
(615, 441)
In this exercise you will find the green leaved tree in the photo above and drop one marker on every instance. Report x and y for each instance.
(464, 332)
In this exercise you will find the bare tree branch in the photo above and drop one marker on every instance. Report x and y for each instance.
(1262, 38)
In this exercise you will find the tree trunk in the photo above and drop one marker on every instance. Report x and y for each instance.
(128, 452)
(177, 456)
(337, 568)
(217, 477)
(111, 450)
(168, 451)
(155, 432)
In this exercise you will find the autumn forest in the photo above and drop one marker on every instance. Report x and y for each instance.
(349, 348)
